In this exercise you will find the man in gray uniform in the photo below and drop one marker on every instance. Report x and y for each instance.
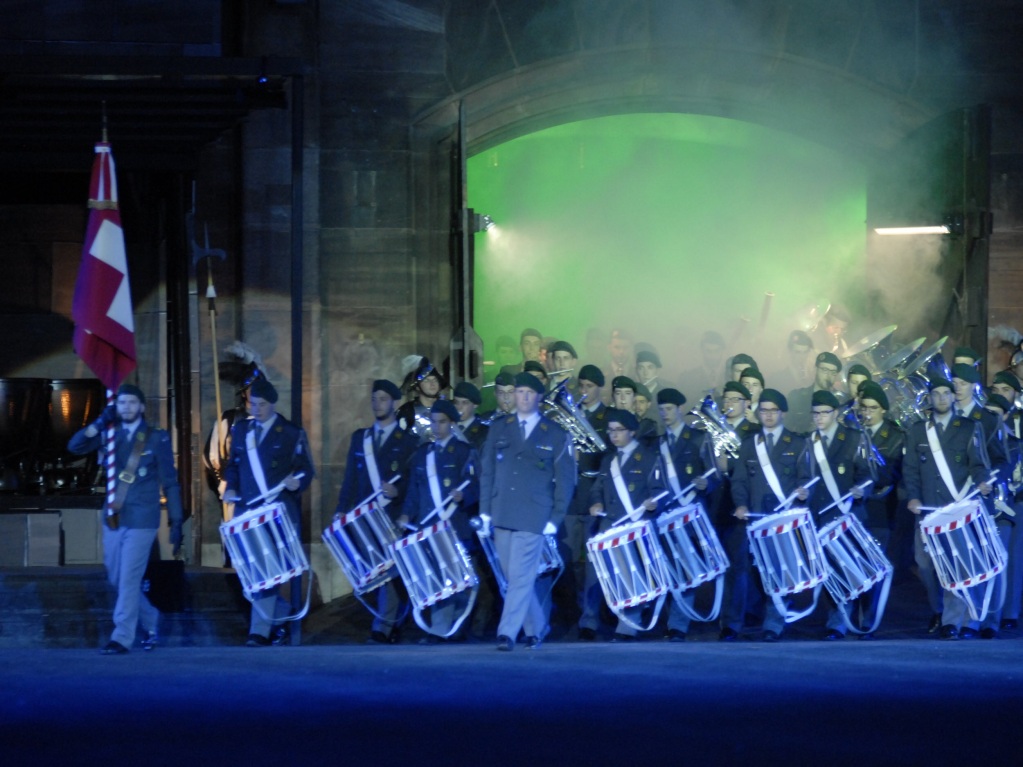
(528, 474)
(145, 464)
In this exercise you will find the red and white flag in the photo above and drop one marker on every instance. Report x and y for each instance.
(102, 311)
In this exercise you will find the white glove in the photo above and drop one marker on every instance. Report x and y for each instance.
(485, 531)
(549, 529)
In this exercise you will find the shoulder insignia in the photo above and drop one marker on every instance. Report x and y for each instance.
(279, 428)
(639, 456)
(841, 435)
(786, 438)
(975, 413)
(599, 415)
(398, 434)
(686, 434)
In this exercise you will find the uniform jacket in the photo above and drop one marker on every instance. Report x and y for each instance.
(848, 467)
(456, 462)
(476, 433)
(643, 479)
(526, 484)
(749, 485)
(155, 470)
(962, 444)
(690, 456)
(282, 451)
(890, 441)
(392, 458)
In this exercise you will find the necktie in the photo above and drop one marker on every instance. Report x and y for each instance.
(941, 428)
(672, 439)
(378, 438)
(259, 434)
(621, 457)
(826, 443)
(125, 434)
(522, 428)
(770, 441)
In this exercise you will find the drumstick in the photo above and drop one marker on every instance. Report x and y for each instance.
(691, 485)
(627, 516)
(788, 501)
(443, 503)
(273, 492)
(846, 497)
(972, 494)
(370, 497)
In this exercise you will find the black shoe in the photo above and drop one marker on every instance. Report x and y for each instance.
(989, 633)
(533, 643)
(834, 635)
(867, 637)
(587, 635)
(505, 644)
(967, 633)
(430, 639)
(1009, 624)
(257, 640)
(149, 641)
(674, 635)
(114, 648)
(280, 635)
(621, 638)
(948, 631)
(378, 637)
(728, 635)
(935, 623)
(771, 636)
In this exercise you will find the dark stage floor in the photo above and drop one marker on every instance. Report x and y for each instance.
(893, 701)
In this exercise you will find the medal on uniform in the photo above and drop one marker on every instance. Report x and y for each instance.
(841, 468)
(143, 471)
(689, 468)
(447, 482)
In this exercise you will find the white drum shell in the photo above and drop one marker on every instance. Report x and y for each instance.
(964, 545)
(855, 560)
(694, 554)
(264, 548)
(786, 551)
(433, 564)
(630, 565)
(360, 542)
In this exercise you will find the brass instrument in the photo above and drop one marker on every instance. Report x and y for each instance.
(723, 439)
(559, 406)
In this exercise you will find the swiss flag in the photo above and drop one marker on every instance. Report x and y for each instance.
(102, 312)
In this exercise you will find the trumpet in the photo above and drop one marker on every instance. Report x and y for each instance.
(560, 408)
(723, 439)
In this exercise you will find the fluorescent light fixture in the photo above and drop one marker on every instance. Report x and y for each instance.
(941, 229)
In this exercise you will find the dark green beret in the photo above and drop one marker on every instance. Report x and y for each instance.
(529, 380)
(860, 370)
(468, 391)
(965, 351)
(504, 379)
(873, 390)
(534, 366)
(776, 397)
(132, 390)
(936, 382)
(623, 382)
(1007, 378)
(671, 397)
(965, 372)
(752, 372)
(824, 399)
(382, 384)
(563, 346)
(642, 391)
(744, 359)
(738, 388)
(998, 401)
(828, 358)
(624, 417)
(648, 356)
(592, 374)
(447, 408)
(263, 389)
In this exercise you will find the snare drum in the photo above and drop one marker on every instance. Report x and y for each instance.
(264, 548)
(967, 552)
(433, 564)
(855, 560)
(631, 568)
(786, 552)
(696, 554)
(361, 541)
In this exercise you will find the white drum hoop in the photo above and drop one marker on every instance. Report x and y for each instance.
(963, 542)
(631, 567)
(856, 563)
(264, 548)
(789, 540)
(360, 542)
(691, 562)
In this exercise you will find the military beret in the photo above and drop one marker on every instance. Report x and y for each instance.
(504, 378)
(824, 399)
(998, 401)
(530, 381)
(648, 356)
(738, 388)
(936, 382)
(563, 346)
(468, 391)
(872, 390)
(965, 372)
(671, 397)
(965, 351)
(447, 408)
(592, 374)
(533, 332)
(712, 338)
(752, 372)
(642, 391)
(623, 382)
(860, 370)
(535, 366)
(624, 417)
(776, 397)
(1007, 378)
(132, 390)
(740, 359)
(827, 358)
(392, 390)
(263, 389)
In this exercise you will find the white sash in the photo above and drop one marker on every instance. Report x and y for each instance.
(829, 478)
(767, 468)
(435, 493)
(371, 466)
(623, 491)
(254, 463)
(942, 464)
(669, 470)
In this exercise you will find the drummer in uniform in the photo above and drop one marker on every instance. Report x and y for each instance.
(1009, 387)
(377, 454)
(945, 455)
(686, 454)
(267, 450)
(623, 397)
(826, 370)
(767, 471)
(436, 473)
(626, 486)
(466, 398)
(837, 456)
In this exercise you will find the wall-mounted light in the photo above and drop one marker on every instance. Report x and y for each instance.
(953, 224)
(481, 223)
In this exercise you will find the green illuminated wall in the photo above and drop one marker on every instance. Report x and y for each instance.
(665, 225)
